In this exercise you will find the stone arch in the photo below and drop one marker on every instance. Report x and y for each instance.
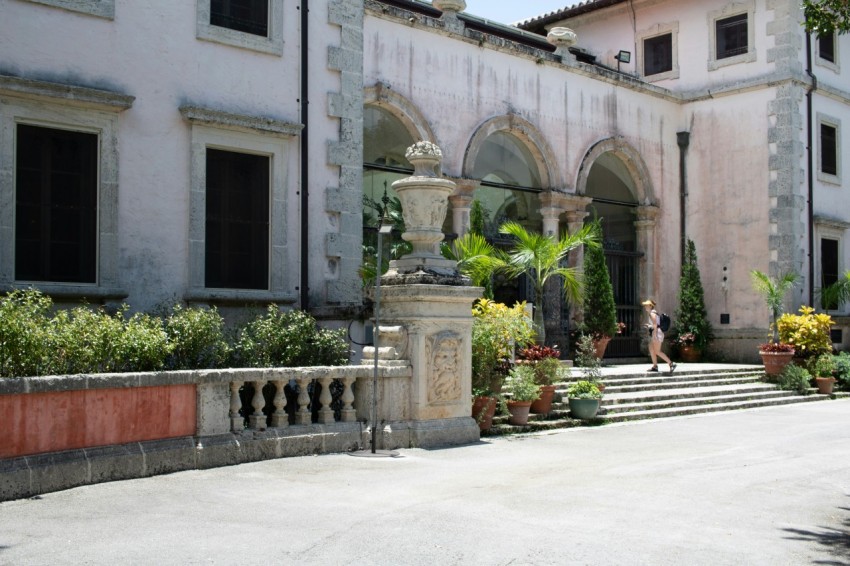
(383, 96)
(526, 132)
(632, 160)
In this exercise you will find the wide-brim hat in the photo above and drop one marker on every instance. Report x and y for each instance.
(648, 302)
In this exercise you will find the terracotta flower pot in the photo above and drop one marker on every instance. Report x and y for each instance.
(775, 362)
(544, 403)
(600, 345)
(519, 412)
(483, 410)
(689, 354)
(825, 385)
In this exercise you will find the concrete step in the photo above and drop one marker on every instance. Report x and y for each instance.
(671, 384)
(689, 392)
(647, 405)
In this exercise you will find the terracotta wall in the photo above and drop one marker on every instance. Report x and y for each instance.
(49, 422)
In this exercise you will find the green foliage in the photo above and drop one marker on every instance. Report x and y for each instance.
(477, 259)
(822, 365)
(477, 218)
(24, 345)
(826, 16)
(773, 291)
(373, 213)
(600, 309)
(691, 315)
(842, 368)
(808, 331)
(197, 336)
(584, 390)
(496, 331)
(586, 359)
(290, 339)
(837, 293)
(795, 378)
(521, 384)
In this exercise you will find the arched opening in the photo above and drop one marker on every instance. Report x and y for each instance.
(611, 186)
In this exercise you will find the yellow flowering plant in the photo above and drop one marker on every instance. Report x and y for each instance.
(808, 331)
(497, 330)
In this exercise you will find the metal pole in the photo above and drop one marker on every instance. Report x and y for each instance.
(376, 337)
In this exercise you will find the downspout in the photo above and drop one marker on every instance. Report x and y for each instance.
(684, 140)
(305, 159)
(811, 177)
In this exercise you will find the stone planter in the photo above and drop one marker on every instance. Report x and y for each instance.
(825, 385)
(584, 409)
(519, 412)
(483, 411)
(775, 362)
(543, 405)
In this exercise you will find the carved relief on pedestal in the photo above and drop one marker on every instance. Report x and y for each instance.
(442, 352)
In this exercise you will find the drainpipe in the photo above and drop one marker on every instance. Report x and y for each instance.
(811, 159)
(684, 140)
(305, 159)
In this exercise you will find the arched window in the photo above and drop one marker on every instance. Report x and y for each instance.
(385, 139)
(510, 182)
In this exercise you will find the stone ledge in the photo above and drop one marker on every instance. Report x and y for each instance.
(74, 95)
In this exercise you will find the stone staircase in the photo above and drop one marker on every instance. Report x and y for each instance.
(639, 395)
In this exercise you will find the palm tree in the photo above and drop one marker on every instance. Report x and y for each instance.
(476, 258)
(839, 292)
(540, 258)
(773, 291)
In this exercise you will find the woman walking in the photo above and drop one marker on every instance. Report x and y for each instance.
(656, 337)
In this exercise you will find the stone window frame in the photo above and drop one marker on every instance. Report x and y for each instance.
(657, 30)
(273, 44)
(68, 107)
(250, 134)
(831, 65)
(831, 229)
(835, 123)
(731, 9)
(99, 8)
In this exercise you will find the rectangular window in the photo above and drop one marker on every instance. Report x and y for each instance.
(731, 36)
(249, 16)
(828, 149)
(826, 47)
(828, 265)
(658, 54)
(56, 205)
(237, 220)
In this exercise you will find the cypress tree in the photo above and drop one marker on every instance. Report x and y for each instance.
(600, 309)
(691, 315)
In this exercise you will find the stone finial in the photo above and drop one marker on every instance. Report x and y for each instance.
(425, 158)
(449, 5)
(562, 39)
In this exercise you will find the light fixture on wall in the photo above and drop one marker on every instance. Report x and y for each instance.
(623, 57)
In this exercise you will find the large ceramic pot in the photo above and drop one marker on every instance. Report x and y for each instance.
(775, 362)
(483, 411)
(519, 412)
(584, 409)
(600, 345)
(690, 354)
(543, 405)
(825, 385)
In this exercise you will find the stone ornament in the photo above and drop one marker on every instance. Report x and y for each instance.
(449, 5)
(562, 37)
(442, 351)
(425, 158)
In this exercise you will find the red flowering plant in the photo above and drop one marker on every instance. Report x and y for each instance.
(544, 360)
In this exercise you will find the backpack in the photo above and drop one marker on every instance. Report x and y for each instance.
(663, 322)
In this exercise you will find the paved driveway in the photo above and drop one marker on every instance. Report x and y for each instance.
(768, 486)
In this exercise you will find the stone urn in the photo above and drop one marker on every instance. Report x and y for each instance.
(449, 5)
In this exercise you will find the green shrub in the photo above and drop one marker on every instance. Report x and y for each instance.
(584, 390)
(521, 384)
(691, 316)
(842, 369)
(496, 330)
(25, 348)
(821, 366)
(290, 339)
(809, 332)
(795, 378)
(196, 337)
(586, 359)
(600, 308)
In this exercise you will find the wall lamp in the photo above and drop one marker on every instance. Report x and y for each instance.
(623, 57)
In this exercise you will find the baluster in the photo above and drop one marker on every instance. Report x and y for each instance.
(326, 413)
(348, 414)
(237, 422)
(303, 417)
(257, 420)
(279, 417)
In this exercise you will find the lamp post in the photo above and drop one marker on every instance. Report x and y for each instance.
(384, 228)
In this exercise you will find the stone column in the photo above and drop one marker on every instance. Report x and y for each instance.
(425, 295)
(575, 215)
(461, 204)
(551, 208)
(645, 227)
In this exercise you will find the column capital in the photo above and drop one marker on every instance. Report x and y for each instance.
(464, 186)
(647, 216)
(460, 200)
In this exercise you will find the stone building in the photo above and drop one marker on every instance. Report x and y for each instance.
(220, 152)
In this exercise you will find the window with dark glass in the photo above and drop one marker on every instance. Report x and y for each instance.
(828, 265)
(237, 220)
(828, 149)
(826, 47)
(55, 205)
(658, 54)
(731, 36)
(249, 16)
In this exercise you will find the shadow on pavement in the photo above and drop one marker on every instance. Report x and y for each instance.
(835, 541)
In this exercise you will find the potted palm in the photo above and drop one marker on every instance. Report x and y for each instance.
(600, 308)
(544, 360)
(521, 390)
(774, 354)
(692, 325)
(541, 258)
(584, 398)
